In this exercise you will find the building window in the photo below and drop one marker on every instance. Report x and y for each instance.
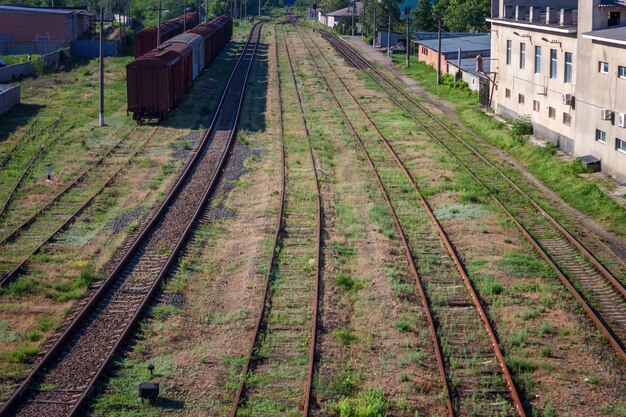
(603, 67)
(537, 59)
(567, 119)
(568, 67)
(551, 112)
(620, 145)
(507, 93)
(553, 63)
(521, 99)
(536, 105)
(509, 47)
(600, 136)
(621, 71)
(614, 18)
(522, 55)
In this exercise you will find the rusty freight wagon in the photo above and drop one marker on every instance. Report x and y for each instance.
(157, 81)
(146, 39)
(216, 34)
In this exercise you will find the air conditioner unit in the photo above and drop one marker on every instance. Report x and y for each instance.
(621, 121)
(567, 99)
(606, 114)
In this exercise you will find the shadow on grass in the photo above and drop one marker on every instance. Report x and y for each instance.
(253, 116)
(16, 118)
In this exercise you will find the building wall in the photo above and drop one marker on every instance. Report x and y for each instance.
(602, 91)
(9, 97)
(429, 56)
(26, 27)
(538, 90)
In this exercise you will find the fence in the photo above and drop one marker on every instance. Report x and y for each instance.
(55, 59)
(9, 97)
(91, 48)
(36, 48)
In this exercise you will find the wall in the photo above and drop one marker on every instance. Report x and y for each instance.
(602, 91)
(430, 57)
(473, 81)
(536, 87)
(26, 27)
(11, 72)
(9, 97)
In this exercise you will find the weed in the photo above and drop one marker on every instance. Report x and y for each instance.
(545, 352)
(488, 284)
(21, 354)
(163, 311)
(549, 411)
(370, 403)
(546, 328)
(418, 357)
(7, 335)
(404, 324)
(32, 335)
(523, 265)
(345, 336)
(44, 323)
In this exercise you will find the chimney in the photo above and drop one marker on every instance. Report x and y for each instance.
(552, 15)
(508, 11)
(520, 12)
(565, 17)
(535, 14)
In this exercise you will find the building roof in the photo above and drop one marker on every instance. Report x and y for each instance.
(467, 43)
(469, 65)
(612, 3)
(347, 11)
(45, 10)
(616, 35)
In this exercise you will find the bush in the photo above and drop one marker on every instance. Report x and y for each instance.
(522, 127)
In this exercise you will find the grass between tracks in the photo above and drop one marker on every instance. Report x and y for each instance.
(35, 304)
(560, 176)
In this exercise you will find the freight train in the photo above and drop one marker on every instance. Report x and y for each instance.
(157, 81)
(146, 39)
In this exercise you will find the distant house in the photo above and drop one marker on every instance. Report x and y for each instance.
(33, 24)
(332, 19)
(470, 47)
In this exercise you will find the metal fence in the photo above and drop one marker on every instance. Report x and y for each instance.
(37, 48)
(9, 97)
(91, 48)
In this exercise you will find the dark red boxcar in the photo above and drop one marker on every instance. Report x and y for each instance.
(157, 81)
(146, 39)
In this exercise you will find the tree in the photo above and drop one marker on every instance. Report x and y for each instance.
(423, 16)
(466, 15)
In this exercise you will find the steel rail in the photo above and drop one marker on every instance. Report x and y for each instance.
(10, 405)
(593, 315)
(272, 260)
(570, 237)
(443, 235)
(24, 138)
(12, 274)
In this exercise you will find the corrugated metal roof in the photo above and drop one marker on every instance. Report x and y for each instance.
(469, 65)
(467, 44)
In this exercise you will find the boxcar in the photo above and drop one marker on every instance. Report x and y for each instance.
(146, 39)
(216, 34)
(196, 42)
(157, 81)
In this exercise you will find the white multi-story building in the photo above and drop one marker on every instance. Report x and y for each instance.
(563, 63)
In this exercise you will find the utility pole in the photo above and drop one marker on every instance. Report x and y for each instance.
(206, 11)
(439, 51)
(353, 9)
(259, 8)
(389, 37)
(374, 28)
(101, 119)
(408, 37)
(158, 10)
(184, 17)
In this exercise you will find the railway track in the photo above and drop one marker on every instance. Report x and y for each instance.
(279, 370)
(474, 375)
(63, 378)
(600, 294)
(31, 235)
(32, 160)
(29, 134)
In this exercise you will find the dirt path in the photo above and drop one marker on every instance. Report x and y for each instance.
(606, 238)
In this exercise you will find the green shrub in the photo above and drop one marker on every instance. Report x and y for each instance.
(522, 127)
(346, 336)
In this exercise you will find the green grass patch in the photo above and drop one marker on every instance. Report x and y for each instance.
(346, 336)
(523, 265)
(460, 211)
(369, 403)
